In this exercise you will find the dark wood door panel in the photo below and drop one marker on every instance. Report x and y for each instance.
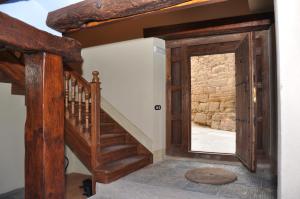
(174, 102)
(245, 106)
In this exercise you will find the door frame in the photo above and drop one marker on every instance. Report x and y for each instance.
(226, 44)
(196, 47)
(175, 35)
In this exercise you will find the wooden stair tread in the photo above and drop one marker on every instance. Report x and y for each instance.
(122, 164)
(114, 148)
(111, 135)
(107, 123)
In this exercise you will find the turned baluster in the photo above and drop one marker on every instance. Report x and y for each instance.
(87, 108)
(80, 90)
(73, 95)
(67, 80)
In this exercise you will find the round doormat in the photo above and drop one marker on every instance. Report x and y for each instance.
(214, 176)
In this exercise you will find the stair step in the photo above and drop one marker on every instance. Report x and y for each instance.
(111, 128)
(116, 169)
(112, 139)
(117, 152)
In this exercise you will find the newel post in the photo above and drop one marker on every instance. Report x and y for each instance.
(95, 120)
(44, 128)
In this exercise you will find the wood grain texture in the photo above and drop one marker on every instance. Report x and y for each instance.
(76, 15)
(18, 35)
(44, 129)
(245, 103)
(14, 72)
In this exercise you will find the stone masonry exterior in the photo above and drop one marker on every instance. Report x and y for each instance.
(213, 91)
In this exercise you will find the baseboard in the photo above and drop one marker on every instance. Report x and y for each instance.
(159, 155)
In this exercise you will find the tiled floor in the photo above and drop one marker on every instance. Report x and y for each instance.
(15, 194)
(212, 140)
(73, 190)
(166, 180)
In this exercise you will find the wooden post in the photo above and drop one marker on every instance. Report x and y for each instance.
(44, 129)
(95, 120)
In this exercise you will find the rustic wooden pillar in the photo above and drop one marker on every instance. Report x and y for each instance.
(44, 129)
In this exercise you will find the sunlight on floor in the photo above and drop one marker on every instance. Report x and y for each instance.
(212, 140)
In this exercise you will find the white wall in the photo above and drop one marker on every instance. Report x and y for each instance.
(133, 81)
(288, 54)
(12, 120)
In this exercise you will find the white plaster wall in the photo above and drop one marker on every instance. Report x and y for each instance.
(12, 120)
(133, 82)
(288, 57)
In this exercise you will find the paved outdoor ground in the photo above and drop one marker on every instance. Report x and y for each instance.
(165, 180)
(212, 140)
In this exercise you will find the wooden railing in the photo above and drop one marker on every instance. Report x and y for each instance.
(82, 105)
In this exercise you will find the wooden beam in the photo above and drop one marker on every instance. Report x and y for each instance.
(44, 129)
(223, 26)
(14, 72)
(95, 12)
(18, 35)
(12, 69)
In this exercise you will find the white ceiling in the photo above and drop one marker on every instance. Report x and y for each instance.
(50, 5)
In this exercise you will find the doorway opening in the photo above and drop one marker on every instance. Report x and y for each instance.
(213, 103)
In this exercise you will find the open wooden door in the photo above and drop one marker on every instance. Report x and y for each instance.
(178, 117)
(246, 102)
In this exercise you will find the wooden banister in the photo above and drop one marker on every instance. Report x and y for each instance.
(85, 109)
(80, 80)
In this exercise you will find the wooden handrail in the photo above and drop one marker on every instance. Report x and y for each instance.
(80, 80)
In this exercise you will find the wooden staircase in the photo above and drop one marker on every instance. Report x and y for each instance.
(106, 148)
(102, 145)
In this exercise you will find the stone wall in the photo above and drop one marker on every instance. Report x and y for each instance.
(213, 91)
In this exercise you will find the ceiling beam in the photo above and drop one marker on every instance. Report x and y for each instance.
(20, 36)
(96, 12)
